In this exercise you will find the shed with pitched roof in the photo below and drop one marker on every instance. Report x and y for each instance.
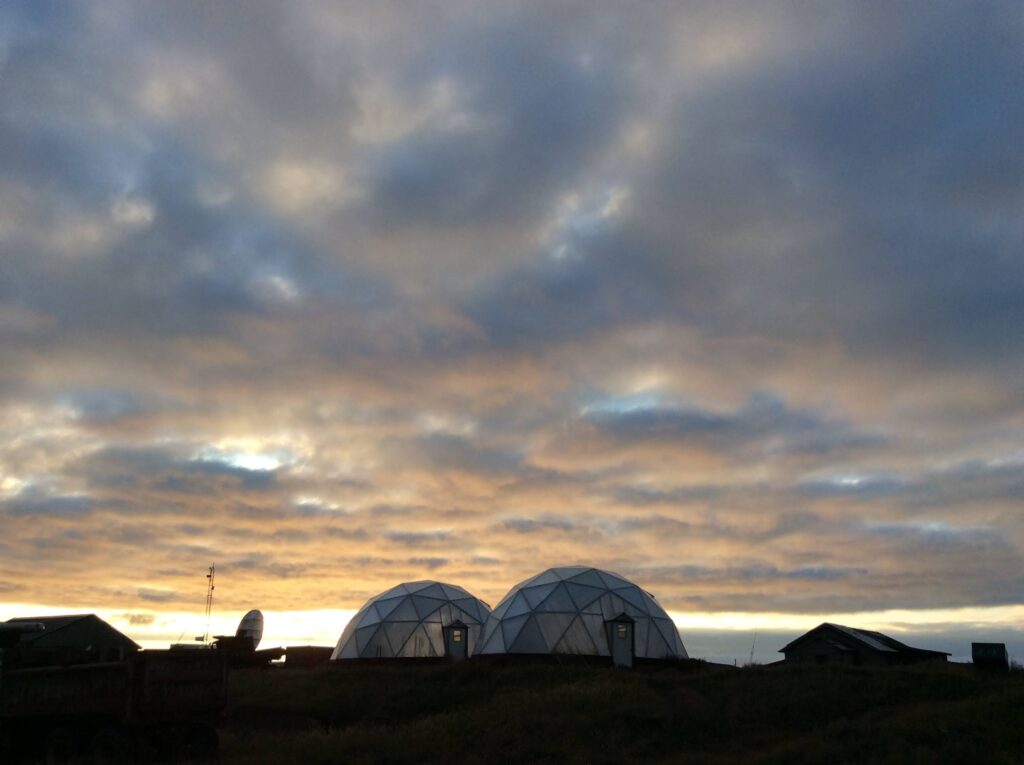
(837, 644)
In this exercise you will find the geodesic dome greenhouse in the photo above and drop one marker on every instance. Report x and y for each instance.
(567, 611)
(409, 620)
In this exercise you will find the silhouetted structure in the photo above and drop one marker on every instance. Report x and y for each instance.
(835, 644)
(63, 695)
(71, 639)
(990, 656)
(303, 656)
(241, 647)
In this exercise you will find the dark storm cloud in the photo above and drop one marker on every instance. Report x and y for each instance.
(390, 510)
(538, 525)
(429, 563)
(943, 538)
(173, 263)
(556, 300)
(639, 496)
(790, 200)
(971, 481)
(764, 420)
(266, 565)
(757, 572)
(420, 538)
(869, 487)
(100, 405)
(844, 179)
(157, 596)
(169, 469)
(534, 103)
(65, 543)
(448, 451)
(249, 479)
(349, 534)
(35, 504)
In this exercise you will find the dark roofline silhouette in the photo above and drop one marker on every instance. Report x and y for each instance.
(56, 623)
(876, 641)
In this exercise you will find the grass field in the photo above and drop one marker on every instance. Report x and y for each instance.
(579, 714)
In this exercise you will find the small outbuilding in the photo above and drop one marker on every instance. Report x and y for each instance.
(835, 644)
(990, 656)
(73, 638)
(306, 656)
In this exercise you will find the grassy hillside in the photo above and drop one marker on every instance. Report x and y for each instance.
(557, 714)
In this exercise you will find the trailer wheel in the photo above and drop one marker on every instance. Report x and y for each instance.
(61, 746)
(201, 741)
(8, 747)
(112, 745)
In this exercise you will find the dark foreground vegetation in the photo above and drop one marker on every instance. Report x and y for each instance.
(580, 714)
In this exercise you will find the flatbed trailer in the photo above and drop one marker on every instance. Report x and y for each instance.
(155, 705)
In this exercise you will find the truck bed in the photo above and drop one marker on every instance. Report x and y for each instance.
(152, 686)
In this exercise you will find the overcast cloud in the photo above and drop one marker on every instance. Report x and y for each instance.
(726, 297)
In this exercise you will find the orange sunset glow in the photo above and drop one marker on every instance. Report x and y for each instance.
(724, 297)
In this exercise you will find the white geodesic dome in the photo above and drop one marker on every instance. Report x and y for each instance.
(566, 611)
(408, 621)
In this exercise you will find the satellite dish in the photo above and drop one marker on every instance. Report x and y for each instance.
(251, 627)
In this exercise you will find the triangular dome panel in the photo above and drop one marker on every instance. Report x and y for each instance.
(426, 606)
(577, 640)
(548, 577)
(385, 606)
(510, 628)
(553, 627)
(583, 594)
(535, 595)
(530, 639)
(558, 601)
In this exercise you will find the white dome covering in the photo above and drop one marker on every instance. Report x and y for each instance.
(565, 610)
(407, 621)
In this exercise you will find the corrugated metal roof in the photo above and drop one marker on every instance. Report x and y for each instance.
(875, 640)
(52, 624)
(57, 624)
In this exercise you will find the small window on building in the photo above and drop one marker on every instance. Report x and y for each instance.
(620, 630)
(456, 636)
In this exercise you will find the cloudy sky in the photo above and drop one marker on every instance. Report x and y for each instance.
(726, 297)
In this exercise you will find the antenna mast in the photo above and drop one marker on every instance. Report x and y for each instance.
(209, 601)
(754, 643)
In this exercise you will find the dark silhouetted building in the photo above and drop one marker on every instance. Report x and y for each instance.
(74, 638)
(990, 656)
(305, 656)
(835, 644)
